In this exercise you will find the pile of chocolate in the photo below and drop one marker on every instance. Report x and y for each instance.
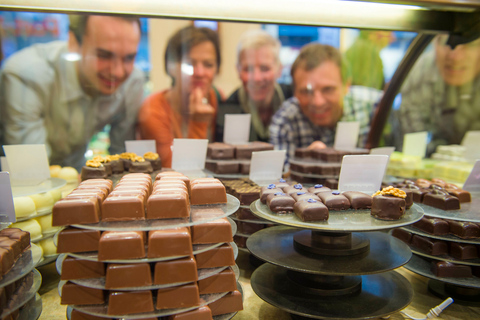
(120, 255)
(223, 158)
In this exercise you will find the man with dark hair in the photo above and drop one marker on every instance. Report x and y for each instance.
(322, 97)
(60, 94)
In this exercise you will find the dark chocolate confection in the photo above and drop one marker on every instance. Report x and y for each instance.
(73, 268)
(127, 275)
(126, 163)
(327, 155)
(240, 241)
(140, 167)
(311, 210)
(444, 269)
(244, 151)
(423, 183)
(464, 230)
(358, 200)
(334, 200)
(301, 196)
(178, 297)
(248, 228)
(462, 195)
(331, 183)
(6, 260)
(219, 150)
(463, 251)
(432, 225)
(202, 313)
(221, 282)
(303, 153)
(117, 245)
(77, 315)
(215, 231)
(303, 179)
(280, 203)
(169, 243)
(281, 183)
(218, 257)
(244, 167)
(129, 302)
(417, 193)
(430, 246)
(108, 168)
(117, 166)
(247, 194)
(175, 271)
(388, 208)
(408, 198)
(155, 163)
(294, 189)
(93, 173)
(308, 168)
(245, 214)
(319, 188)
(78, 240)
(439, 182)
(223, 167)
(76, 294)
(75, 211)
(403, 235)
(231, 302)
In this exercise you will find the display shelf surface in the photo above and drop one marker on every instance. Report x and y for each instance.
(37, 215)
(469, 211)
(27, 261)
(32, 282)
(198, 214)
(275, 245)
(381, 295)
(339, 221)
(470, 262)
(45, 186)
(447, 237)
(423, 267)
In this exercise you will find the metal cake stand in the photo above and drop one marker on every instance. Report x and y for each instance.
(332, 269)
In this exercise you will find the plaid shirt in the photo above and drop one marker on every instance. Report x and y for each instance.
(291, 129)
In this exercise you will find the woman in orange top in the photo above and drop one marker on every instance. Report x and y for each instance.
(188, 109)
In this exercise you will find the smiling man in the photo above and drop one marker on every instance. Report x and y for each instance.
(321, 98)
(60, 94)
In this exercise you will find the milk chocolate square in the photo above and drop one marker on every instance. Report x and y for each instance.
(221, 282)
(118, 245)
(231, 302)
(219, 150)
(334, 200)
(73, 268)
(202, 313)
(75, 211)
(130, 302)
(358, 200)
(319, 188)
(128, 275)
(168, 206)
(123, 208)
(178, 297)
(169, 243)
(223, 167)
(76, 294)
(77, 240)
(215, 231)
(208, 193)
(218, 257)
(175, 271)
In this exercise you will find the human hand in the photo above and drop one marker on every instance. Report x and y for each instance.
(200, 109)
(316, 145)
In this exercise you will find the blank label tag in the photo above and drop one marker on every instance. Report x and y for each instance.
(415, 144)
(383, 150)
(140, 147)
(362, 173)
(473, 181)
(471, 142)
(267, 166)
(28, 164)
(237, 128)
(189, 154)
(346, 136)
(7, 211)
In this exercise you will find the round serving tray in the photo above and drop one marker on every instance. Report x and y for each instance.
(198, 214)
(32, 283)
(26, 263)
(46, 235)
(470, 262)
(469, 211)
(45, 186)
(423, 267)
(381, 295)
(339, 221)
(37, 215)
(47, 260)
(275, 245)
(447, 237)
(258, 221)
(32, 309)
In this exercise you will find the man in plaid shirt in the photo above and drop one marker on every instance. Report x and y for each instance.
(322, 97)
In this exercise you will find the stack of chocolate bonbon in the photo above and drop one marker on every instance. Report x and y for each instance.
(223, 158)
(145, 270)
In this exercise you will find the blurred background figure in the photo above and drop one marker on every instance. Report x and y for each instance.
(364, 59)
(258, 67)
(441, 95)
(188, 108)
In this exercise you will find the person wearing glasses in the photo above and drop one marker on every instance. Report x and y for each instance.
(322, 96)
(61, 93)
(441, 95)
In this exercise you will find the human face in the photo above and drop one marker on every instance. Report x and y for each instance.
(199, 68)
(108, 51)
(459, 66)
(320, 93)
(258, 70)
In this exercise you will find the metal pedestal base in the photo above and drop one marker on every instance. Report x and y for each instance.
(331, 244)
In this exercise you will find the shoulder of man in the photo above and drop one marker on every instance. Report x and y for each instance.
(289, 111)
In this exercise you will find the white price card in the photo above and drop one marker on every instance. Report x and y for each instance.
(473, 181)
(362, 173)
(28, 164)
(471, 142)
(346, 135)
(237, 128)
(267, 166)
(415, 144)
(140, 147)
(383, 150)
(7, 210)
(189, 154)
(4, 164)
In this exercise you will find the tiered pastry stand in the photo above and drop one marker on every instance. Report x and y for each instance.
(196, 217)
(462, 290)
(332, 269)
